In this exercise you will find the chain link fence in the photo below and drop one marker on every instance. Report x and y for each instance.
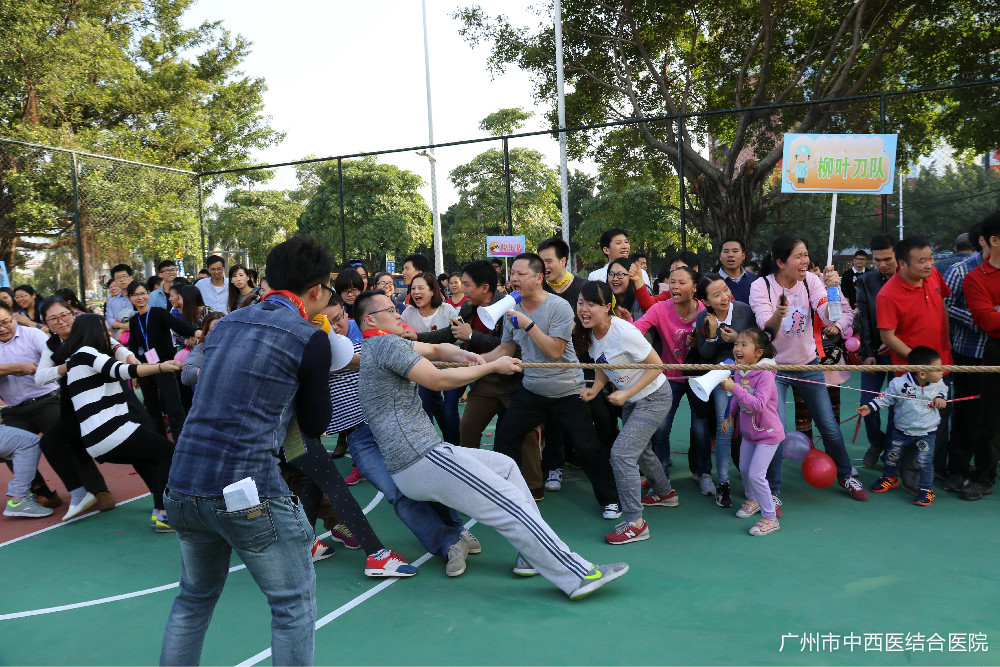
(376, 206)
(67, 216)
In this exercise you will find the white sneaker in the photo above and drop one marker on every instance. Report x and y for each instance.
(85, 504)
(707, 485)
(554, 482)
(612, 511)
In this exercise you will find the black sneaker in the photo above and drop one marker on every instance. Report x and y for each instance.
(975, 490)
(722, 496)
(871, 456)
(954, 483)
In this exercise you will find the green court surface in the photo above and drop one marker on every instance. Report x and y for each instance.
(700, 591)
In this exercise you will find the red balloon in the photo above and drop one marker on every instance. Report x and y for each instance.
(818, 469)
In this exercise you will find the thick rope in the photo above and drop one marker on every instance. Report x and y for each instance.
(876, 368)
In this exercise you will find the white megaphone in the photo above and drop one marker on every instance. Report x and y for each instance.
(341, 349)
(490, 315)
(703, 385)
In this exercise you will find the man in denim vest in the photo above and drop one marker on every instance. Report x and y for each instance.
(272, 365)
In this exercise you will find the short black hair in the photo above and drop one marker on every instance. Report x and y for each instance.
(860, 253)
(975, 232)
(688, 257)
(535, 262)
(420, 262)
(733, 239)
(297, 264)
(964, 244)
(121, 267)
(496, 262)
(133, 286)
(347, 279)
(638, 255)
(557, 244)
(334, 300)
(153, 282)
(991, 226)
(164, 264)
(455, 274)
(9, 309)
(922, 355)
(365, 303)
(482, 272)
(214, 259)
(606, 237)
(882, 242)
(205, 271)
(909, 244)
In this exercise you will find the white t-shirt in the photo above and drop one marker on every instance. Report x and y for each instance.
(623, 344)
(439, 319)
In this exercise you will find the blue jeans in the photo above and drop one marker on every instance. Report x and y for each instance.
(818, 400)
(435, 525)
(273, 540)
(873, 422)
(898, 441)
(699, 431)
(442, 407)
(723, 441)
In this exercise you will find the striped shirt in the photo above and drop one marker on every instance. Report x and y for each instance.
(344, 399)
(98, 400)
(966, 338)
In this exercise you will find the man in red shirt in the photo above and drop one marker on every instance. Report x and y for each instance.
(982, 294)
(911, 312)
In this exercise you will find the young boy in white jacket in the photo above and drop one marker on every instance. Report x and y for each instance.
(916, 399)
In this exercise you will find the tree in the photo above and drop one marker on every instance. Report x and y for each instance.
(636, 59)
(481, 210)
(255, 220)
(384, 213)
(125, 78)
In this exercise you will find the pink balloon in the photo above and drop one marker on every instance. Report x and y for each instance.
(853, 344)
(849, 333)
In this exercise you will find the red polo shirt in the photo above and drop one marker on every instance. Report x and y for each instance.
(916, 313)
(982, 293)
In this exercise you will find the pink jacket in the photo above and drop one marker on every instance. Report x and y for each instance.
(756, 401)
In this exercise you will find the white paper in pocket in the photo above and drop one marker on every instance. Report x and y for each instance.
(152, 357)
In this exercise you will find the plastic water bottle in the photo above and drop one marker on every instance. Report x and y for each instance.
(834, 308)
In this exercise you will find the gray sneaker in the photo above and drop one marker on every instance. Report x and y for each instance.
(597, 577)
(470, 541)
(707, 486)
(456, 558)
(523, 568)
(28, 508)
(554, 482)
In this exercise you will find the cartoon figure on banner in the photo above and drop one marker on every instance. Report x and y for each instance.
(802, 159)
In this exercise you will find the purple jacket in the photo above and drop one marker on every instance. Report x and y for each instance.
(756, 401)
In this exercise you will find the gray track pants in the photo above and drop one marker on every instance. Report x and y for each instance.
(489, 487)
(632, 451)
(21, 448)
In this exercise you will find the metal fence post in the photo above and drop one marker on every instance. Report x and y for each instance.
(885, 198)
(79, 234)
(340, 189)
(201, 218)
(680, 178)
(506, 176)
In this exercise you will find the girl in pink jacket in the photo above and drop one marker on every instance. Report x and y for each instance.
(756, 402)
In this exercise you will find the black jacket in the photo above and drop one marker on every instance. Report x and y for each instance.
(866, 318)
(480, 341)
(849, 284)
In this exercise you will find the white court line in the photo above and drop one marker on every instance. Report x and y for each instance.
(343, 609)
(66, 523)
(145, 591)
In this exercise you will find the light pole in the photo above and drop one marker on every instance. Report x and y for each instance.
(429, 154)
(561, 106)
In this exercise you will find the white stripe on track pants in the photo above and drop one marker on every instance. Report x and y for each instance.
(489, 487)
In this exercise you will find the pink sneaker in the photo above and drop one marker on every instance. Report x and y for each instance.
(342, 534)
(669, 500)
(355, 477)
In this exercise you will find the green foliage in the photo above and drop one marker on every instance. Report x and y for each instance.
(384, 213)
(482, 206)
(56, 271)
(254, 220)
(505, 121)
(639, 59)
(124, 78)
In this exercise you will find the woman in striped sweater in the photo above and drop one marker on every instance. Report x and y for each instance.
(110, 434)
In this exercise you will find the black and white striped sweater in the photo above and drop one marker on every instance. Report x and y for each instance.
(92, 381)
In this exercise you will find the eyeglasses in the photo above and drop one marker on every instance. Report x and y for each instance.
(352, 290)
(6, 323)
(138, 293)
(616, 274)
(65, 317)
(169, 269)
(384, 310)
